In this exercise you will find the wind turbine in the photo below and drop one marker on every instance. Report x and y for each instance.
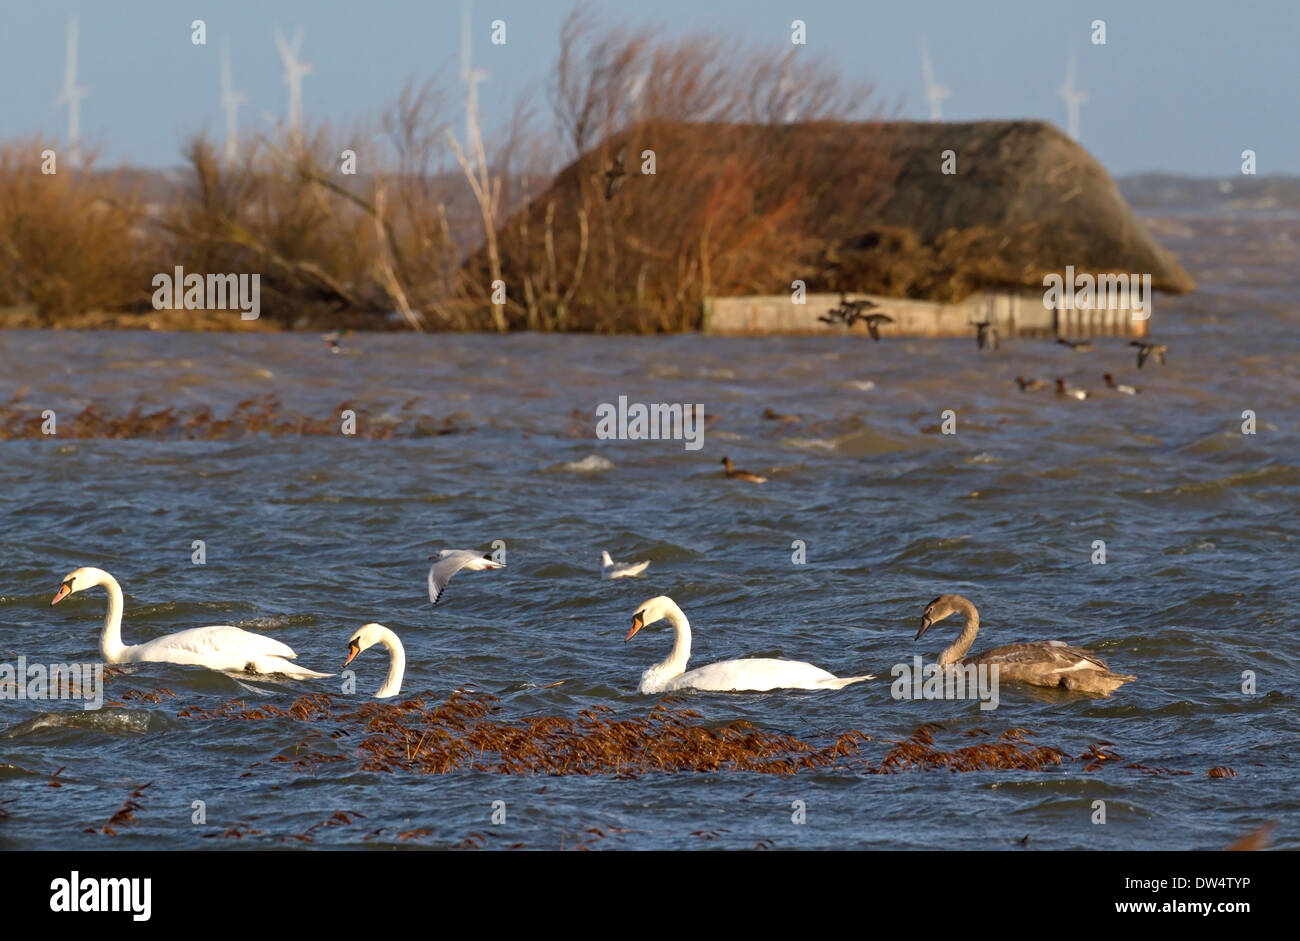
(230, 101)
(294, 70)
(1073, 98)
(788, 89)
(471, 77)
(72, 95)
(935, 92)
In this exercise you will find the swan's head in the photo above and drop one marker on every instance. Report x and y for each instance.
(656, 609)
(364, 639)
(938, 609)
(79, 580)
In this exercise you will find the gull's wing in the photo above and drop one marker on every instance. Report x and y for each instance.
(451, 562)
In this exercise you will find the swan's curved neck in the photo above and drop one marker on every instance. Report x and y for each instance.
(110, 642)
(396, 666)
(675, 665)
(966, 637)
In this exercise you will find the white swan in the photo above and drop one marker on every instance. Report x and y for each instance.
(451, 561)
(756, 674)
(612, 569)
(225, 648)
(367, 637)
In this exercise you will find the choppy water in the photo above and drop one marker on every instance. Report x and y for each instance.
(307, 538)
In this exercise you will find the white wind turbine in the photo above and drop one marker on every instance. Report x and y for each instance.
(294, 70)
(789, 90)
(471, 77)
(72, 95)
(1073, 98)
(230, 102)
(935, 92)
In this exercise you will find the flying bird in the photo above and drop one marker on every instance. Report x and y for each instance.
(1147, 350)
(451, 561)
(873, 322)
(986, 332)
(612, 569)
(850, 312)
(1079, 346)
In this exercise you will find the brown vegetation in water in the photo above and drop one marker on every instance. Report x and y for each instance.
(259, 416)
(462, 734)
(124, 815)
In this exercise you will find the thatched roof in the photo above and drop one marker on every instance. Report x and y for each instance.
(1037, 189)
(745, 209)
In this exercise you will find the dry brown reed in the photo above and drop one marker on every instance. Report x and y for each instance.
(258, 416)
(388, 245)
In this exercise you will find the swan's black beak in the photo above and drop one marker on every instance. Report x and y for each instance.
(353, 649)
(637, 624)
(64, 590)
(925, 626)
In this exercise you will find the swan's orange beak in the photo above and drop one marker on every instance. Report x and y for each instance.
(62, 593)
(637, 624)
(353, 650)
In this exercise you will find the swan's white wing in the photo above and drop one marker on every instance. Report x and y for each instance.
(758, 675)
(452, 561)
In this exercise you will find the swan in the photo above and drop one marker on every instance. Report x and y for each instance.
(612, 569)
(451, 561)
(754, 674)
(367, 637)
(224, 648)
(1042, 663)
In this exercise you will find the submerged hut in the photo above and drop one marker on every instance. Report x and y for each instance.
(762, 228)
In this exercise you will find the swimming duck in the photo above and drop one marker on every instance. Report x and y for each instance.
(1029, 385)
(1125, 390)
(741, 474)
(784, 417)
(1072, 392)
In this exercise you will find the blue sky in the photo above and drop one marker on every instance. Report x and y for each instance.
(1180, 86)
